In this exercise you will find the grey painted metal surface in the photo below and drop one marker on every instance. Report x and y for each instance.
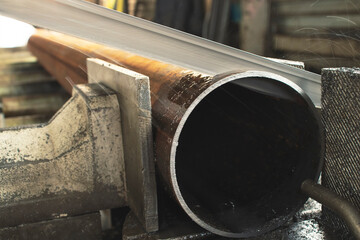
(133, 90)
(95, 23)
(69, 166)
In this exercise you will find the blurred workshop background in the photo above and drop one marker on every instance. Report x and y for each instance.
(321, 33)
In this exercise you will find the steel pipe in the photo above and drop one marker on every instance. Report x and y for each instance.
(233, 148)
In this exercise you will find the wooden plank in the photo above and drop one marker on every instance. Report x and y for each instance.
(17, 78)
(307, 7)
(15, 55)
(19, 66)
(323, 46)
(36, 104)
(30, 89)
(18, 60)
(317, 23)
(14, 49)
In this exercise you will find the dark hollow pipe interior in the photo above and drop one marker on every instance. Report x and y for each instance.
(243, 154)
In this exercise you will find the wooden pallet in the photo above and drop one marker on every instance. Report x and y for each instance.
(28, 94)
(319, 33)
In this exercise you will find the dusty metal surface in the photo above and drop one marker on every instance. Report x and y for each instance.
(189, 107)
(150, 40)
(133, 91)
(71, 165)
(86, 226)
(340, 108)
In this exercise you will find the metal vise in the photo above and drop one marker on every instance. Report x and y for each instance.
(77, 162)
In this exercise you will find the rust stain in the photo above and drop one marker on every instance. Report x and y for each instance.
(173, 88)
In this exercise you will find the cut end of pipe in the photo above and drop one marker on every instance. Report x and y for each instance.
(241, 152)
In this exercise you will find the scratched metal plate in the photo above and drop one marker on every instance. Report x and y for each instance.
(133, 90)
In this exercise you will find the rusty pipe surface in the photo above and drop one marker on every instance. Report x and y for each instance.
(233, 148)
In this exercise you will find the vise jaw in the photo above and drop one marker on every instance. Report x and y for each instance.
(72, 165)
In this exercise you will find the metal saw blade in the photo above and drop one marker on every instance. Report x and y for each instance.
(95, 23)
